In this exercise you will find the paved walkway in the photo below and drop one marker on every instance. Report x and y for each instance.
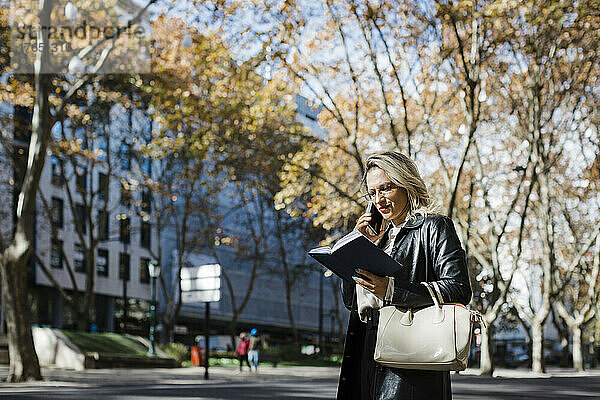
(58, 377)
(281, 383)
(181, 383)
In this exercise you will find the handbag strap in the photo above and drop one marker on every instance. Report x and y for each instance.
(436, 286)
(432, 294)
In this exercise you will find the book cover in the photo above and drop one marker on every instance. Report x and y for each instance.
(355, 251)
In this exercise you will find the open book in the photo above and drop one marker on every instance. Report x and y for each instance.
(355, 251)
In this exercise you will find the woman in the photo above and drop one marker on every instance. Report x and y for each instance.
(427, 246)
(242, 351)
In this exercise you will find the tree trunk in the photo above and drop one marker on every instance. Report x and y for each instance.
(290, 310)
(529, 352)
(528, 340)
(169, 336)
(564, 356)
(335, 288)
(233, 326)
(88, 306)
(24, 364)
(537, 355)
(486, 358)
(168, 327)
(288, 280)
(82, 319)
(577, 348)
(563, 331)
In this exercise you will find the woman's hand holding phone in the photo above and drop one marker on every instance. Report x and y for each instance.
(362, 224)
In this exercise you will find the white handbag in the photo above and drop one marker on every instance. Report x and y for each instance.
(434, 338)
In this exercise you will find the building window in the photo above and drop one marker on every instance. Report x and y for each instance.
(145, 235)
(125, 230)
(81, 217)
(124, 266)
(144, 274)
(102, 262)
(79, 258)
(56, 179)
(56, 259)
(103, 225)
(57, 212)
(126, 196)
(146, 201)
(125, 156)
(81, 181)
(102, 186)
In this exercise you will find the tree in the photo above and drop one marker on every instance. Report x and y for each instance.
(547, 90)
(468, 45)
(225, 129)
(183, 198)
(407, 76)
(75, 164)
(24, 364)
(15, 253)
(91, 139)
(579, 308)
(403, 76)
(290, 233)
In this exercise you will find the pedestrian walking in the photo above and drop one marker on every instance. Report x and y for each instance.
(256, 344)
(242, 350)
(428, 248)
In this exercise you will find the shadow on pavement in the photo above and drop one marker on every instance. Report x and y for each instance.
(555, 388)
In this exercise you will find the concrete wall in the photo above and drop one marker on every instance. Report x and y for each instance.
(55, 349)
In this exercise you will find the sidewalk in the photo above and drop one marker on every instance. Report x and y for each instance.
(289, 383)
(551, 372)
(102, 377)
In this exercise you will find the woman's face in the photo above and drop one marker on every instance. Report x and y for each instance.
(391, 205)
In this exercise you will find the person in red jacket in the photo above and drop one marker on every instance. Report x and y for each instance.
(242, 350)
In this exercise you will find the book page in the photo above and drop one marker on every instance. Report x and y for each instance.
(346, 239)
(321, 250)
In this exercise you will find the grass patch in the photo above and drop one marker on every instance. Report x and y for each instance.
(312, 362)
(106, 343)
(223, 362)
(306, 361)
(177, 351)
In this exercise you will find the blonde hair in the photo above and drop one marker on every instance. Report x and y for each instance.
(403, 172)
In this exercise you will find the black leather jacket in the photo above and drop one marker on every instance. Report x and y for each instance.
(428, 248)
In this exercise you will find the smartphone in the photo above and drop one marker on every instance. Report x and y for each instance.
(376, 222)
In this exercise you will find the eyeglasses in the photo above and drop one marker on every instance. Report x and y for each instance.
(384, 190)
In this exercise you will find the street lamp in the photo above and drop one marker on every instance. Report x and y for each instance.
(154, 270)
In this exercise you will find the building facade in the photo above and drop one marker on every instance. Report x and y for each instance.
(81, 201)
(316, 307)
(87, 205)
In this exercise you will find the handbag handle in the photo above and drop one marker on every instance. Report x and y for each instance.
(435, 299)
(438, 300)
